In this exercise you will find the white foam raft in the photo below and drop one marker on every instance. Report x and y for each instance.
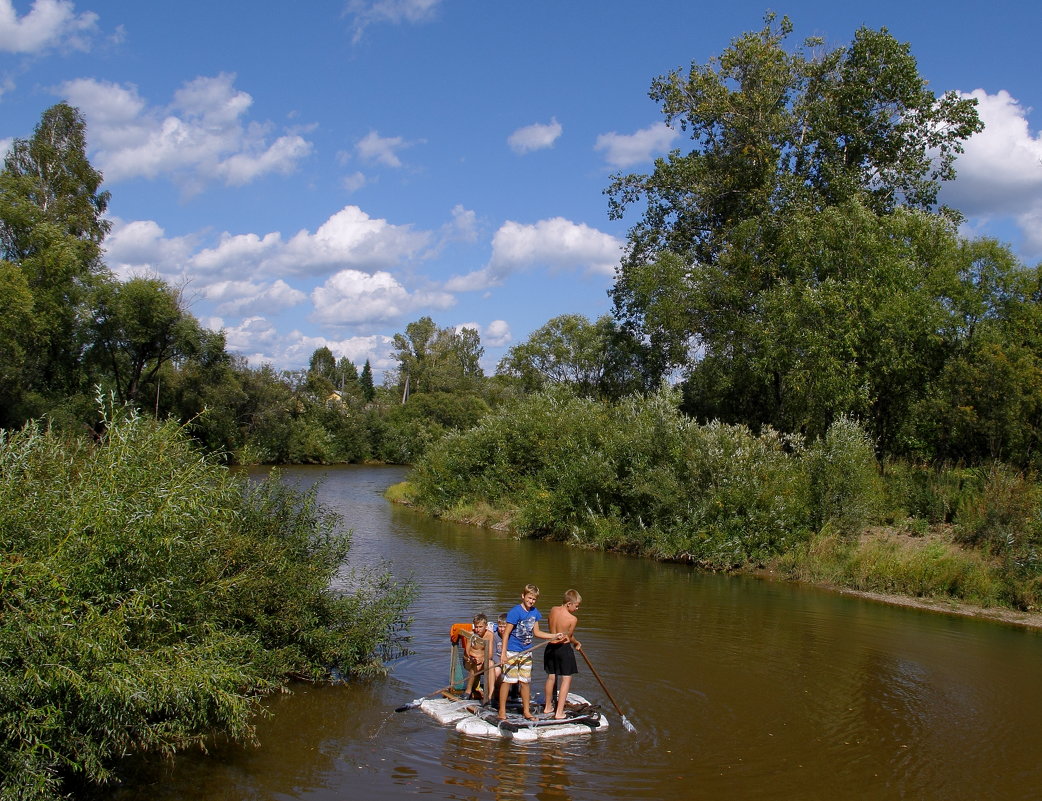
(468, 717)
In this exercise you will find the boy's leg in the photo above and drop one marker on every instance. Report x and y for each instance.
(526, 695)
(562, 696)
(504, 691)
(548, 693)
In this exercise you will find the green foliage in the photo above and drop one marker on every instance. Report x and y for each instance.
(773, 131)
(847, 491)
(433, 359)
(150, 598)
(792, 265)
(140, 325)
(51, 228)
(636, 476)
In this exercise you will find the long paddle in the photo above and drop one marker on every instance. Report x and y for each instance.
(629, 726)
(417, 701)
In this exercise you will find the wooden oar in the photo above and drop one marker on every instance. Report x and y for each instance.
(629, 726)
(417, 701)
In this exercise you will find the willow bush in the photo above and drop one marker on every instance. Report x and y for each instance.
(640, 476)
(150, 598)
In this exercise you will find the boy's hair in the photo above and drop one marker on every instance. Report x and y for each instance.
(530, 588)
(502, 617)
(480, 617)
(572, 597)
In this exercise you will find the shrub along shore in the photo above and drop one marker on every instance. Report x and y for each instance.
(640, 477)
(151, 598)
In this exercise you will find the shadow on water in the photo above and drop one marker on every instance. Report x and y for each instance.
(738, 688)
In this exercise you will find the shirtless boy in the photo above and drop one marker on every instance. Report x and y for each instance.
(520, 632)
(559, 658)
(478, 655)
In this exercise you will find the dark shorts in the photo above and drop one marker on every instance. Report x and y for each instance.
(559, 659)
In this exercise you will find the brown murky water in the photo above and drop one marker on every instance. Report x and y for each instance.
(738, 688)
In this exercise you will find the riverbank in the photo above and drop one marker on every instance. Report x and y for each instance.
(837, 565)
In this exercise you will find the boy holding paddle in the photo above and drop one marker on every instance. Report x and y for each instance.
(520, 633)
(559, 658)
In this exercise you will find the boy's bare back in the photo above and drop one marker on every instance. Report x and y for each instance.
(562, 621)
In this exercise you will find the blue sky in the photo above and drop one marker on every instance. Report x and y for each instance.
(324, 173)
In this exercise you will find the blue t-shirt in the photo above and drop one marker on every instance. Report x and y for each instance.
(523, 620)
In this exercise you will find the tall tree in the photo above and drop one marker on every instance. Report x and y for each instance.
(140, 325)
(568, 349)
(365, 381)
(51, 228)
(774, 134)
(433, 359)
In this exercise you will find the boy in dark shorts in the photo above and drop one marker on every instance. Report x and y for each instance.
(559, 657)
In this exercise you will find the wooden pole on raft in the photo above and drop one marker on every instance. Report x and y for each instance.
(629, 726)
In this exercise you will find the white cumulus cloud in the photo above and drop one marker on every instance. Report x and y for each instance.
(497, 333)
(381, 149)
(625, 150)
(48, 24)
(556, 243)
(538, 136)
(1000, 172)
(243, 298)
(352, 297)
(200, 136)
(350, 238)
(142, 247)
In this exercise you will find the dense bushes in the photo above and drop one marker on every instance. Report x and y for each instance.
(150, 597)
(640, 476)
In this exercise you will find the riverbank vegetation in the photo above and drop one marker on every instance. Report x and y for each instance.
(151, 598)
(641, 477)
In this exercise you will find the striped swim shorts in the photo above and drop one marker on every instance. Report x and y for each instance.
(517, 670)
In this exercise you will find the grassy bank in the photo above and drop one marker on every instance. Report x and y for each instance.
(641, 478)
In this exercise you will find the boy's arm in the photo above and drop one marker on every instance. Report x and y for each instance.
(490, 643)
(545, 635)
(507, 628)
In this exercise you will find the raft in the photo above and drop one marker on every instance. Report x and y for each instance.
(474, 719)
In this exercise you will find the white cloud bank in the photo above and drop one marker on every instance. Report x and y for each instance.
(555, 243)
(351, 250)
(538, 136)
(200, 136)
(625, 150)
(48, 24)
(1000, 172)
(350, 238)
(352, 297)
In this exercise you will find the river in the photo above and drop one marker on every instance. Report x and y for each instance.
(738, 688)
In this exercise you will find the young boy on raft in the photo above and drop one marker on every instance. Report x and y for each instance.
(477, 656)
(520, 632)
(559, 658)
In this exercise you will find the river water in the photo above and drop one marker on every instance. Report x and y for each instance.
(738, 688)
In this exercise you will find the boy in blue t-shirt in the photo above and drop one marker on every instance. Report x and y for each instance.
(520, 632)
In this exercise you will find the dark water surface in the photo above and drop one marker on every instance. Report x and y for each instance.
(738, 688)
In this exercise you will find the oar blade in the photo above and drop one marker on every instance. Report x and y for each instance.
(410, 705)
(628, 726)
